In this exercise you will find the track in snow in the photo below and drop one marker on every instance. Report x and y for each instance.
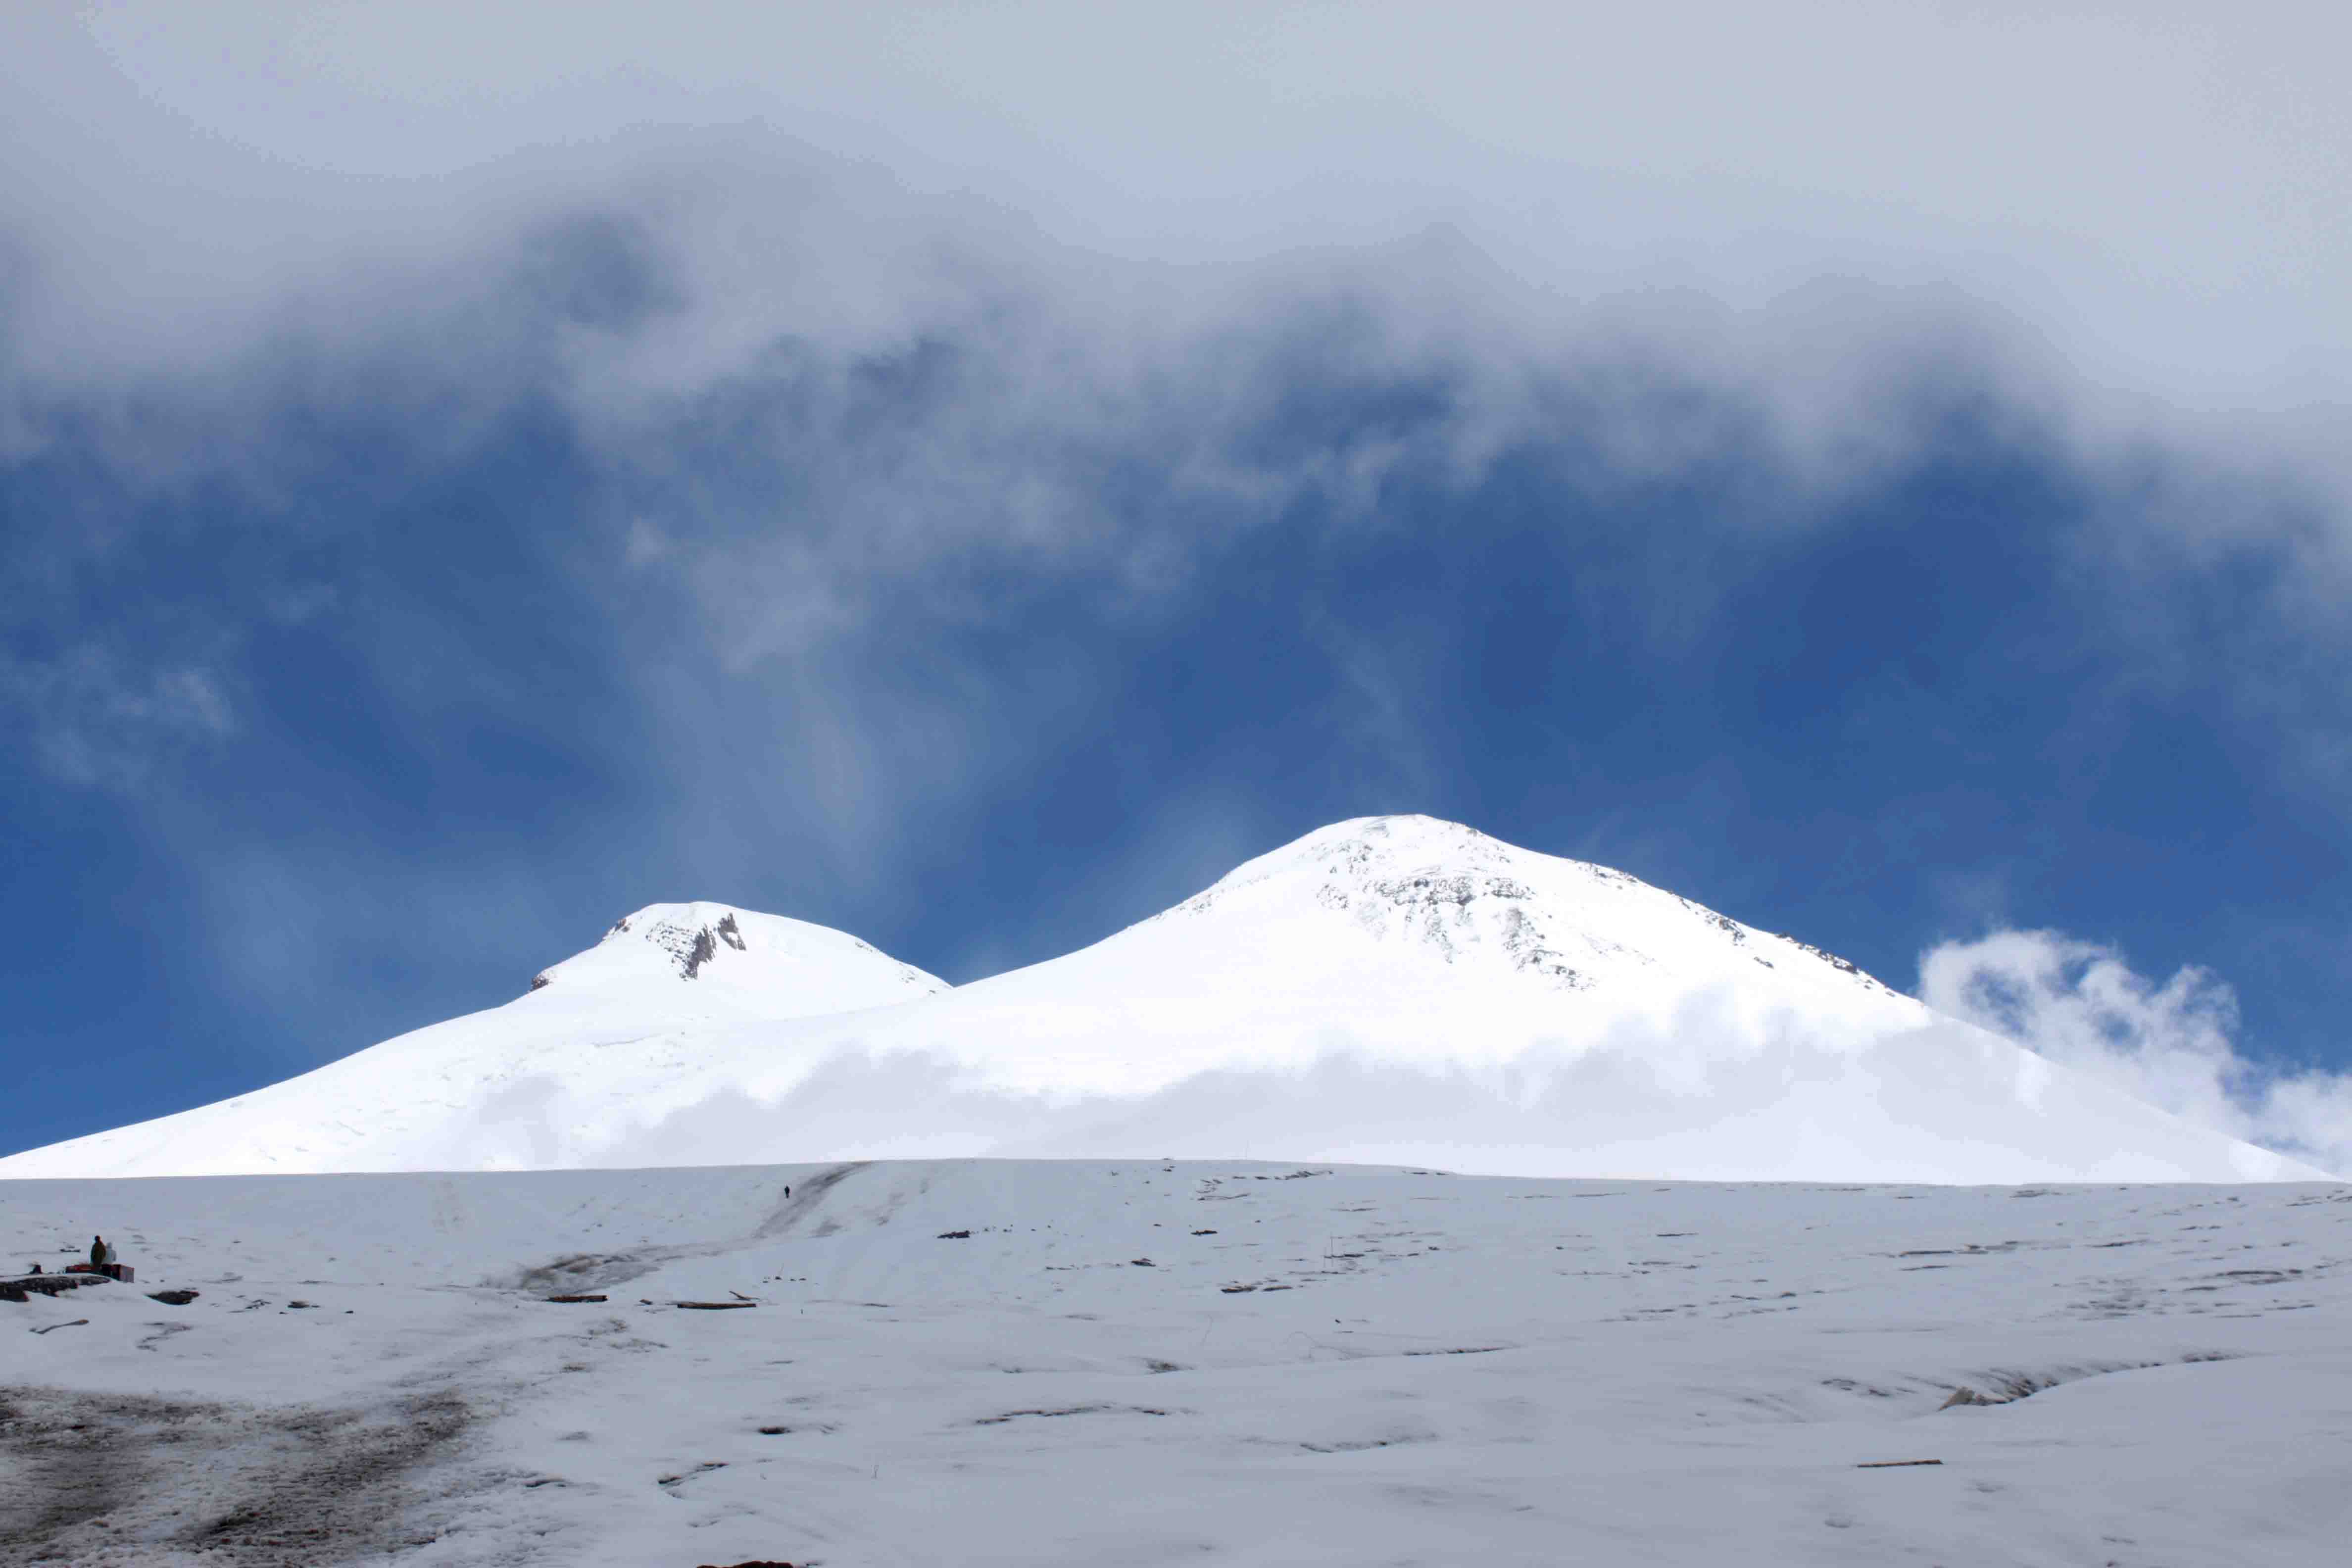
(1084, 1362)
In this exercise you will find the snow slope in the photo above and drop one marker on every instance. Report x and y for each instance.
(1390, 990)
(616, 1027)
(1074, 1364)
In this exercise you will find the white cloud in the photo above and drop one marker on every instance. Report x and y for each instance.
(1721, 232)
(1799, 214)
(2173, 1044)
(2156, 189)
(2161, 184)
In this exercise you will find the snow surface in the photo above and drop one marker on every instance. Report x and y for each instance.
(605, 1029)
(1388, 990)
(1218, 1362)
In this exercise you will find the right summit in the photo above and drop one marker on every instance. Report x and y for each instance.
(1405, 990)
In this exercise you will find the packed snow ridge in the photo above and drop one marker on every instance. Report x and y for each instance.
(1390, 990)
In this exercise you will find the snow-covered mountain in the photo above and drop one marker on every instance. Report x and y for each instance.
(598, 1032)
(762, 966)
(1388, 990)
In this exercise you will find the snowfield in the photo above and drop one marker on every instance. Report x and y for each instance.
(1386, 991)
(1092, 1362)
(1215, 1298)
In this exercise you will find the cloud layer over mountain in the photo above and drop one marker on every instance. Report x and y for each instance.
(471, 470)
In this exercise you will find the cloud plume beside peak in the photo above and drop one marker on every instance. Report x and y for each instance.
(2173, 1044)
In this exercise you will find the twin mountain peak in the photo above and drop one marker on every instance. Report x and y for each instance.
(1407, 880)
(1390, 990)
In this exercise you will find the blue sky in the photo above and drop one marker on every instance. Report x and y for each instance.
(449, 505)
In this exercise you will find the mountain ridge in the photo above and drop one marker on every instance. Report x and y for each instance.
(1393, 990)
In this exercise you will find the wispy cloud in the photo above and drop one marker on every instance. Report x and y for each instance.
(97, 717)
(2173, 1043)
(911, 376)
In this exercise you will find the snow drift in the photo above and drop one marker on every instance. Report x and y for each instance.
(1388, 990)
